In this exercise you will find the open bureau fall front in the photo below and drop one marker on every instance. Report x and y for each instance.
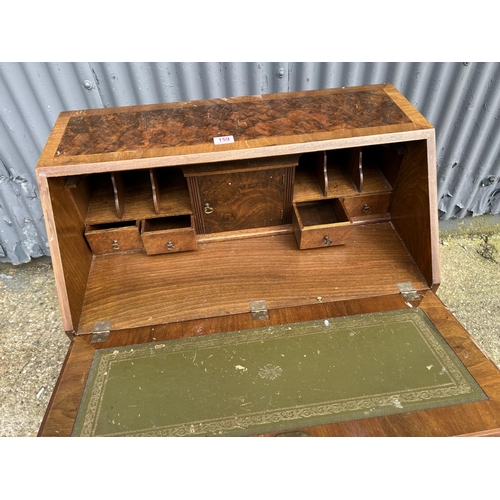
(185, 219)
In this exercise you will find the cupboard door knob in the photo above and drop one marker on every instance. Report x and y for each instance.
(208, 208)
(328, 241)
(366, 208)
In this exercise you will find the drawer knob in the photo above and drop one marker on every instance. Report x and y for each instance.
(208, 208)
(366, 208)
(170, 246)
(115, 244)
(328, 241)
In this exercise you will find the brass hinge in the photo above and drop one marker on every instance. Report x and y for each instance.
(101, 331)
(408, 292)
(258, 309)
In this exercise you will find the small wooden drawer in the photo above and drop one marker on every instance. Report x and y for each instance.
(114, 237)
(366, 207)
(321, 223)
(168, 234)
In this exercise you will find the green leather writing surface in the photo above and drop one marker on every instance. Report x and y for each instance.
(274, 378)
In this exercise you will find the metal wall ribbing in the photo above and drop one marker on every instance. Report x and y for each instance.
(462, 101)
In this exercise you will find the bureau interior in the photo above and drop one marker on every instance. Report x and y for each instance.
(165, 244)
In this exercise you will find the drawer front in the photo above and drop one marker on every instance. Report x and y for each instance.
(368, 206)
(113, 240)
(321, 224)
(160, 241)
(325, 236)
(175, 240)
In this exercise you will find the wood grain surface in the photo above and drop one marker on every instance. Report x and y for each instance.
(71, 254)
(222, 277)
(242, 200)
(264, 125)
(299, 114)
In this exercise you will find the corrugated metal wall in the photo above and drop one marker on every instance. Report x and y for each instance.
(462, 100)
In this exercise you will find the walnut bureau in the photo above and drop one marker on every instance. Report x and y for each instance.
(184, 219)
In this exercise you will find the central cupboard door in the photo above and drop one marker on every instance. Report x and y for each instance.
(243, 200)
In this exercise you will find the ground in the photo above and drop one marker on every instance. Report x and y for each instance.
(470, 285)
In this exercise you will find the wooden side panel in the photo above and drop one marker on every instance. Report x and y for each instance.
(79, 188)
(390, 158)
(75, 254)
(171, 189)
(305, 186)
(414, 194)
(119, 193)
(355, 167)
